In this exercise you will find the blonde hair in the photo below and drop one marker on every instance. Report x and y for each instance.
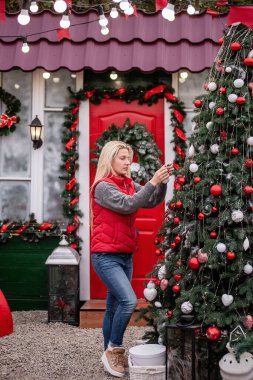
(107, 155)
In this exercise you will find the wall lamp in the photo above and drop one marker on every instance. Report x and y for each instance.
(35, 131)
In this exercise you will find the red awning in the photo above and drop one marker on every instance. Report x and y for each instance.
(147, 42)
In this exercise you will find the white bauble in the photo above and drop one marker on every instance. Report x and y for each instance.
(211, 105)
(232, 98)
(214, 148)
(209, 125)
(227, 299)
(221, 247)
(202, 149)
(162, 272)
(250, 140)
(193, 168)
(191, 151)
(158, 304)
(250, 55)
(151, 285)
(238, 83)
(237, 216)
(246, 244)
(248, 269)
(212, 86)
(150, 292)
(135, 167)
(186, 307)
(228, 69)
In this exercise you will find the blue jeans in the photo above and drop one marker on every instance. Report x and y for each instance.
(115, 270)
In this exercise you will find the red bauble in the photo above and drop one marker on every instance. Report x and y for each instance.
(179, 204)
(222, 90)
(248, 189)
(172, 205)
(169, 313)
(248, 61)
(248, 163)
(220, 111)
(173, 245)
(240, 100)
(220, 41)
(158, 252)
(234, 151)
(235, 46)
(178, 277)
(216, 190)
(193, 263)
(219, 61)
(197, 180)
(156, 241)
(213, 333)
(213, 235)
(181, 180)
(231, 255)
(198, 103)
(176, 288)
(178, 239)
(176, 220)
(223, 135)
(179, 263)
(214, 209)
(201, 216)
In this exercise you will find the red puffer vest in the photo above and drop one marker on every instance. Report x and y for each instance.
(112, 231)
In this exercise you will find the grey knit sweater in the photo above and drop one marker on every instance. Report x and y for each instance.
(148, 196)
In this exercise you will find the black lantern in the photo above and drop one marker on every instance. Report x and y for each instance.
(35, 130)
(63, 284)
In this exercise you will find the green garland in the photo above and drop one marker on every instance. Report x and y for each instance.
(142, 143)
(149, 96)
(8, 120)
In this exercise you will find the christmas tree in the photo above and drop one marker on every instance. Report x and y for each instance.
(206, 275)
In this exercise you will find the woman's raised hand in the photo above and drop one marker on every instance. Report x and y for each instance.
(162, 174)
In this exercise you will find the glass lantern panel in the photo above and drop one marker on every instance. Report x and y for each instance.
(64, 308)
(56, 85)
(191, 87)
(63, 279)
(14, 200)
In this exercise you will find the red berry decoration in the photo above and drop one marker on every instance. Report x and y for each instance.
(179, 204)
(248, 163)
(197, 180)
(213, 333)
(201, 216)
(158, 252)
(193, 263)
(234, 151)
(178, 277)
(220, 111)
(156, 242)
(248, 61)
(222, 90)
(223, 135)
(220, 41)
(198, 103)
(231, 255)
(176, 288)
(176, 220)
(169, 313)
(213, 235)
(235, 46)
(240, 100)
(178, 239)
(214, 209)
(173, 245)
(248, 189)
(216, 190)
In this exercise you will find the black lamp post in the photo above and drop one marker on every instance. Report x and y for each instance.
(35, 130)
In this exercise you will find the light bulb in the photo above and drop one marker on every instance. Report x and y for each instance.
(65, 23)
(25, 47)
(34, 7)
(114, 13)
(124, 5)
(60, 6)
(129, 11)
(116, 1)
(104, 30)
(190, 9)
(184, 74)
(46, 75)
(23, 17)
(103, 20)
(169, 12)
(73, 76)
(113, 75)
(16, 86)
(56, 80)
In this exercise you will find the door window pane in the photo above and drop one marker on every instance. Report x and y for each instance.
(190, 87)
(14, 200)
(56, 85)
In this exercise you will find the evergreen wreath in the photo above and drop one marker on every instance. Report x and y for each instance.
(8, 120)
(142, 143)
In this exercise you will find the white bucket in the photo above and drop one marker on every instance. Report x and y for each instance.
(148, 355)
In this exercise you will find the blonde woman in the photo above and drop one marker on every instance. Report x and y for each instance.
(115, 199)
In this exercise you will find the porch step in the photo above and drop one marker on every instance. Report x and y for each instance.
(92, 314)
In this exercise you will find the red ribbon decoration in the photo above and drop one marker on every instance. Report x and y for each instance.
(73, 245)
(45, 226)
(178, 116)
(107, 96)
(135, 10)
(212, 13)
(70, 184)
(89, 94)
(21, 229)
(170, 96)
(120, 91)
(180, 134)
(71, 228)
(160, 4)
(2, 11)
(241, 14)
(73, 202)
(4, 227)
(74, 125)
(154, 91)
(70, 143)
(76, 220)
(177, 186)
(63, 33)
(75, 110)
(6, 120)
(221, 3)
(67, 165)
(176, 166)
(180, 151)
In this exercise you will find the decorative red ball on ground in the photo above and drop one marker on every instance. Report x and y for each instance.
(234, 151)
(193, 263)
(178, 277)
(248, 189)
(231, 255)
(235, 46)
(198, 103)
(176, 288)
(213, 235)
(248, 61)
(213, 333)
(197, 180)
(201, 216)
(216, 190)
(240, 100)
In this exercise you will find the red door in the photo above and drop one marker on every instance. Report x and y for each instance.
(148, 220)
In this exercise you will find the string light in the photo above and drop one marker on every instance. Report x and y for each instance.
(102, 19)
(113, 75)
(190, 9)
(34, 7)
(124, 5)
(104, 30)
(25, 47)
(65, 22)
(129, 11)
(114, 13)
(46, 75)
(116, 1)
(60, 6)
(169, 12)
(23, 17)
